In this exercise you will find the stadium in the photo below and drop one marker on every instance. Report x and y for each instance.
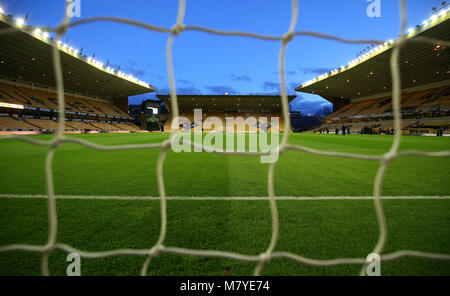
(83, 173)
(361, 94)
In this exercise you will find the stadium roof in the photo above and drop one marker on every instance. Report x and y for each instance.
(26, 55)
(370, 77)
(225, 101)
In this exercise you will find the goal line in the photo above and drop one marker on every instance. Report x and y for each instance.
(212, 198)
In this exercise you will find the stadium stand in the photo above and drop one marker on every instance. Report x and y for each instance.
(226, 106)
(12, 123)
(105, 126)
(41, 99)
(81, 125)
(361, 93)
(96, 96)
(127, 127)
(43, 124)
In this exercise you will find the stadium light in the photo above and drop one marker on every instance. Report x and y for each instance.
(1, 10)
(411, 30)
(37, 32)
(45, 35)
(20, 22)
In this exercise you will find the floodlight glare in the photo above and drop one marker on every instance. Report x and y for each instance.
(20, 22)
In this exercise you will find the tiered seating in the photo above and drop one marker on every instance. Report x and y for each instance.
(354, 109)
(80, 125)
(44, 123)
(38, 99)
(128, 127)
(347, 109)
(422, 100)
(42, 99)
(440, 98)
(52, 125)
(413, 100)
(377, 107)
(223, 117)
(105, 126)
(14, 123)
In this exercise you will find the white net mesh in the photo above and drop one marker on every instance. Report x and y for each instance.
(165, 146)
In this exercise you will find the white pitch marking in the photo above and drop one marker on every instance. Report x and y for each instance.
(101, 197)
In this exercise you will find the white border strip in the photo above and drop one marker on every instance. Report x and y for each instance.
(101, 197)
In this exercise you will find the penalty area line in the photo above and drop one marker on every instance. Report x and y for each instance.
(102, 197)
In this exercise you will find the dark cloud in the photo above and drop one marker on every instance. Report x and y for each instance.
(270, 85)
(324, 110)
(131, 68)
(220, 89)
(275, 86)
(180, 90)
(134, 68)
(184, 81)
(188, 90)
(132, 63)
(310, 107)
(290, 73)
(134, 71)
(244, 78)
(318, 70)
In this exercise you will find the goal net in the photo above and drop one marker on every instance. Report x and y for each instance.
(259, 259)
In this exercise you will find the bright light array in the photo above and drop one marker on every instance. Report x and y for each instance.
(20, 22)
(37, 32)
(378, 49)
(44, 35)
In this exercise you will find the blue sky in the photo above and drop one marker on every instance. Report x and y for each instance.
(206, 63)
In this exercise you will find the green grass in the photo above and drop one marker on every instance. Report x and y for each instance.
(322, 229)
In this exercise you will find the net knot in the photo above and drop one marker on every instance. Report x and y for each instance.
(390, 156)
(58, 141)
(167, 144)
(288, 37)
(178, 28)
(264, 257)
(61, 29)
(155, 251)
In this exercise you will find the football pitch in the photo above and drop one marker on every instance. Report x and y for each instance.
(217, 210)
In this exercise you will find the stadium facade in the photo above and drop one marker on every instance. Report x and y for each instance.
(361, 92)
(227, 106)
